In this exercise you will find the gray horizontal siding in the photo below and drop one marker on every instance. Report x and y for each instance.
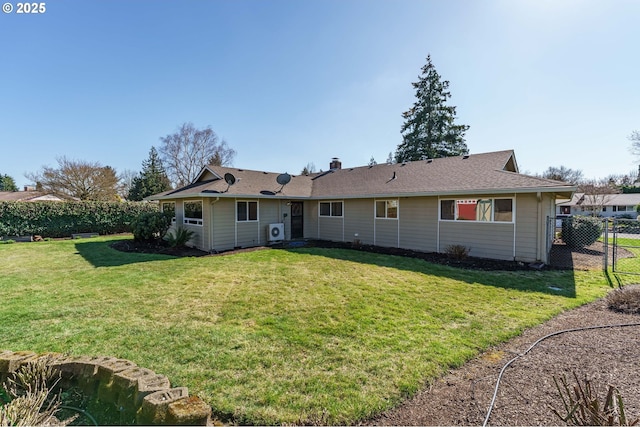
(386, 232)
(331, 228)
(224, 216)
(359, 220)
(419, 223)
(485, 240)
(527, 228)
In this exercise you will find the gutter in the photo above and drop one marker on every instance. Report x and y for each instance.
(482, 191)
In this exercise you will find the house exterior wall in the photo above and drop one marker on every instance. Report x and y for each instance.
(331, 228)
(223, 222)
(387, 231)
(310, 219)
(228, 233)
(527, 227)
(483, 239)
(417, 227)
(419, 223)
(359, 220)
(199, 231)
(497, 240)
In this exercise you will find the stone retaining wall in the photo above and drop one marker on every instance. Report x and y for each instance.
(139, 392)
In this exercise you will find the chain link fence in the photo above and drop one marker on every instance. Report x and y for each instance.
(578, 242)
(625, 246)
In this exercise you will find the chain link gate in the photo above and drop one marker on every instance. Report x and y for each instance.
(578, 242)
(626, 246)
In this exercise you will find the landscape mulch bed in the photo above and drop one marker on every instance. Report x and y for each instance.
(527, 391)
(468, 262)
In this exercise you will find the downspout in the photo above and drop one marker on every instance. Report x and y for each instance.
(439, 215)
(213, 202)
(539, 249)
(515, 223)
(398, 229)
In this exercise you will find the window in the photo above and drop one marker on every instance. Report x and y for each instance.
(387, 209)
(330, 208)
(247, 211)
(503, 210)
(481, 210)
(170, 209)
(193, 212)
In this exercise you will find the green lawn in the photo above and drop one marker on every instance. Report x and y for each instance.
(301, 336)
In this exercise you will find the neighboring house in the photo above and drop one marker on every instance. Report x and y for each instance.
(479, 201)
(28, 196)
(603, 205)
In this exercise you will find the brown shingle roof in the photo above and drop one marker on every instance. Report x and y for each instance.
(494, 172)
(25, 196)
(249, 183)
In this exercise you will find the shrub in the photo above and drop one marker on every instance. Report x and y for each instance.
(28, 396)
(457, 252)
(583, 407)
(179, 237)
(151, 226)
(62, 219)
(581, 231)
(625, 300)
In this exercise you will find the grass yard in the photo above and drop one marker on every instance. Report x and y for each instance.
(307, 336)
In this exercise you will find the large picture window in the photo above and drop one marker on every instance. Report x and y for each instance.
(387, 209)
(481, 210)
(193, 212)
(247, 211)
(330, 208)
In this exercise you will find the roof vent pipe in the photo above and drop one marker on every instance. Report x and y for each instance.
(335, 164)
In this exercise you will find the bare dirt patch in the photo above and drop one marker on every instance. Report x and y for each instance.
(462, 397)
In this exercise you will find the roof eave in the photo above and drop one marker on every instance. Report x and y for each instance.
(560, 192)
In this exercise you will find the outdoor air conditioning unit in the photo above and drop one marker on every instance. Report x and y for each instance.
(276, 232)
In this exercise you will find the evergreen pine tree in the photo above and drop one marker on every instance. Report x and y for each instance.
(7, 183)
(429, 130)
(152, 180)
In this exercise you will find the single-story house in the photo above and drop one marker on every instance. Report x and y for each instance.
(604, 205)
(479, 201)
(28, 196)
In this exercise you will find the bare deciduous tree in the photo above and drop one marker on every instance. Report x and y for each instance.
(561, 173)
(186, 151)
(309, 168)
(597, 195)
(635, 142)
(125, 181)
(79, 179)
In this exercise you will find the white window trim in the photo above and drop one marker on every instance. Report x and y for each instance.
(192, 221)
(493, 211)
(330, 202)
(386, 209)
(257, 202)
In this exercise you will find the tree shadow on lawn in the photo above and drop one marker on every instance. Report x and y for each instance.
(101, 254)
(471, 270)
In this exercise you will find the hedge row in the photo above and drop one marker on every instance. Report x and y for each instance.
(62, 219)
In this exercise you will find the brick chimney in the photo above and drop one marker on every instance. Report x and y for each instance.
(335, 164)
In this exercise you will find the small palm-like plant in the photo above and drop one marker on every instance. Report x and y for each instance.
(583, 407)
(179, 237)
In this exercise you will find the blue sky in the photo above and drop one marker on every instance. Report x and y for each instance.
(287, 83)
